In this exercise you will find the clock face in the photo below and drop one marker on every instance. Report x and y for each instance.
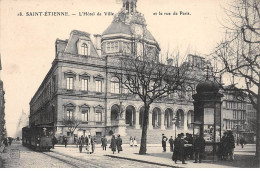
(139, 30)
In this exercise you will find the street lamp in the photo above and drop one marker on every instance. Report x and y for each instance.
(174, 121)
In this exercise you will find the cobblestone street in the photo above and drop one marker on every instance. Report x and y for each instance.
(70, 158)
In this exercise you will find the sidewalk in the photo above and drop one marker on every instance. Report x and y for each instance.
(156, 156)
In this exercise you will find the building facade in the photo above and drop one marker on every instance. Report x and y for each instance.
(81, 96)
(81, 87)
(2, 108)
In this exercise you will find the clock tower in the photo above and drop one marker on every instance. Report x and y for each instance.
(128, 34)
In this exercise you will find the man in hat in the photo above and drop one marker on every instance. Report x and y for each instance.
(199, 147)
(164, 140)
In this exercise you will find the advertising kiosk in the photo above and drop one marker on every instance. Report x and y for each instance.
(207, 116)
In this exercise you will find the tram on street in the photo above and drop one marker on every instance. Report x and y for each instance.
(39, 138)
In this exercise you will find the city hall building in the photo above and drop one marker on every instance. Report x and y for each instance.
(81, 86)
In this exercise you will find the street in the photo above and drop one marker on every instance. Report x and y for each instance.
(70, 158)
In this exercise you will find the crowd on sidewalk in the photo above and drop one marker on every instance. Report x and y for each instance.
(182, 147)
(188, 147)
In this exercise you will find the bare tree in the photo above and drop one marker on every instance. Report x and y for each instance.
(151, 80)
(72, 124)
(239, 52)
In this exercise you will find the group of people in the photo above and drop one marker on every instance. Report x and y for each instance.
(88, 141)
(182, 151)
(133, 142)
(7, 141)
(227, 145)
(116, 144)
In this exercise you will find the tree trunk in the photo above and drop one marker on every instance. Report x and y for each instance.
(258, 126)
(144, 129)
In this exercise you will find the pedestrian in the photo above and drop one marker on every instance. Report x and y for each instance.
(113, 144)
(223, 147)
(10, 139)
(176, 149)
(90, 144)
(179, 148)
(164, 140)
(171, 141)
(65, 141)
(80, 143)
(119, 143)
(131, 143)
(188, 150)
(231, 145)
(199, 147)
(104, 143)
(93, 143)
(242, 141)
(135, 142)
(54, 141)
(5, 142)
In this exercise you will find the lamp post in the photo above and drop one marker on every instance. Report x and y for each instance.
(174, 121)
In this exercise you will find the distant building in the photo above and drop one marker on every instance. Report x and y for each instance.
(2, 108)
(22, 122)
(234, 111)
(251, 123)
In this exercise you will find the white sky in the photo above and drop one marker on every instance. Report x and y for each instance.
(28, 43)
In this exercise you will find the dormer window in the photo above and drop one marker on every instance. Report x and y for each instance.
(84, 49)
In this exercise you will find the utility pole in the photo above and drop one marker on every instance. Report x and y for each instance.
(258, 124)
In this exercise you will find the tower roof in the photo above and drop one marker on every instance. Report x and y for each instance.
(124, 21)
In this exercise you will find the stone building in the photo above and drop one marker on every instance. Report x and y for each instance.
(234, 111)
(80, 85)
(2, 108)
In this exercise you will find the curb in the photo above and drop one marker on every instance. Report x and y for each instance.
(143, 161)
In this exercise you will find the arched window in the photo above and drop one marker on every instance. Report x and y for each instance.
(115, 85)
(84, 49)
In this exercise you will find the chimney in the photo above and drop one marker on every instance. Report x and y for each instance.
(170, 61)
(98, 43)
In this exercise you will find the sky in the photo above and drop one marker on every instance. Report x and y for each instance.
(27, 43)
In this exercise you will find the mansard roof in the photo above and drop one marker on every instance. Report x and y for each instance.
(75, 36)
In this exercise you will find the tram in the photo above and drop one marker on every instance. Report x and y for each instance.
(38, 138)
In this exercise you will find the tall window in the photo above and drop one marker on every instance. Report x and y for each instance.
(69, 114)
(98, 86)
(115, 85)
(112, 47)
(84, 49)
(84, 84)
(234, 114)
(84, 115)
(98, 116)
(69, 83)
(140, 50)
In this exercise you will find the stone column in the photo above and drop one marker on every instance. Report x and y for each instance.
(185, 127)
(108, 117)
(137, 125)
(162, 121)
(150, 124)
